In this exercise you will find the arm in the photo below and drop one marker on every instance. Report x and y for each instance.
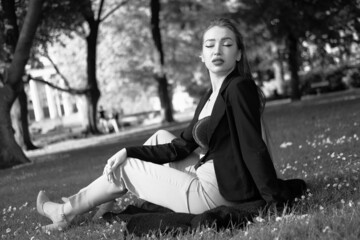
(244, 100)
(177, 149)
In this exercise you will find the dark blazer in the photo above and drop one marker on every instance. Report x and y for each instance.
(243, 167)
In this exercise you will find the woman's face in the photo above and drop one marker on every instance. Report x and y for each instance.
(220, 51)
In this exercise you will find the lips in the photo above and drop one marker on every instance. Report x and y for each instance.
(217, 61)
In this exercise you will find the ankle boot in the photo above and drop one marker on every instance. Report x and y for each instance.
(55, 212)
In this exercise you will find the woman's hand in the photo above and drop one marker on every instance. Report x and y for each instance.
(116, 160)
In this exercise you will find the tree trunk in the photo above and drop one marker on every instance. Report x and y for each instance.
(165, 101)
(277, 68)
(19, 112)
(24, 121)
(159, 73)
(294, 67)
(10, 152)
(94, 93)
(20, 124)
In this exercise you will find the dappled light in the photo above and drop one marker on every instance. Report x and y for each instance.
(80, 80)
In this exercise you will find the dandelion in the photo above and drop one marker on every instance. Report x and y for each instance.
(285, 144)
(321, 208)
(327, 228)
(8, 230)
(259, 219)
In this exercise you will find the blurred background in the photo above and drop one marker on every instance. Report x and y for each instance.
(103, 66)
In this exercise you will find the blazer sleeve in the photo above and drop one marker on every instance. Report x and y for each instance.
(177, 149)
(245, 103)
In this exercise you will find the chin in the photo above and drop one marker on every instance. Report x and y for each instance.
(221, 71)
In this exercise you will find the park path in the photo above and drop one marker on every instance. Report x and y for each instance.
(110, 143)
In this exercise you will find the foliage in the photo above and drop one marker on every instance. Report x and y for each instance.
(289, 24)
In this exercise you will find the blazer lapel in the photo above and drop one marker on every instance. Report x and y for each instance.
(202, 103)
(219, 108)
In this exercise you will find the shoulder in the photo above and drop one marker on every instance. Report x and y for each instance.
(241, 86)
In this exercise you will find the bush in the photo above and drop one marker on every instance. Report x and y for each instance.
(334, 77)
(352, 78)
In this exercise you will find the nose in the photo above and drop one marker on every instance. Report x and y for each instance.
(217, 50)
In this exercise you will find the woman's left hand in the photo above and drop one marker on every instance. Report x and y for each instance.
(112, 164)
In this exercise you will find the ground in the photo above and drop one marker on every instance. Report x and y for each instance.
(316, 139)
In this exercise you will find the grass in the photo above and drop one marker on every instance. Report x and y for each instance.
(316, 139)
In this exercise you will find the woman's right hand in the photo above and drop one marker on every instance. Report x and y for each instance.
(112, 164)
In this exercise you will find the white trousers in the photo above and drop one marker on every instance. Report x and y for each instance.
(176, 185)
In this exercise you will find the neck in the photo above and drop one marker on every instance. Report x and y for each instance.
(217, 79)
(216, 82)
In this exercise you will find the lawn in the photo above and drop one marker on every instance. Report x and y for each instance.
(316, 139)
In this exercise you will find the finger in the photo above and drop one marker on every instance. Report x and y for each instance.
(110, 162)
(113, 176)
(110, 175)
(105, 172)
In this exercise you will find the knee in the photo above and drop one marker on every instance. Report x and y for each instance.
(162, 133)
(160, 137)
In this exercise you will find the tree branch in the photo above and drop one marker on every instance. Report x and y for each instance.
(68, 90)
(114, 9)
(100, 10)
(57, 70)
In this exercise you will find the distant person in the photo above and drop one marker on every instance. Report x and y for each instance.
(102, 120)
(219, 159)
(113, 120)
(120, 117)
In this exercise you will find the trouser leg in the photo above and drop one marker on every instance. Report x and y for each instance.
(101, 191)
(98, 192)
(185, 165)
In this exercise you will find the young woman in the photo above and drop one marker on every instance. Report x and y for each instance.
(233, 165)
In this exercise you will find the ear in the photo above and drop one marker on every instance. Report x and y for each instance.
(201, 57)
(238, 57)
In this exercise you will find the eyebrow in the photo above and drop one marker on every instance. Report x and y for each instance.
(213, 39)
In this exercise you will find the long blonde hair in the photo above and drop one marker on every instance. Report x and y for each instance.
(244, 70)
(243, 65)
